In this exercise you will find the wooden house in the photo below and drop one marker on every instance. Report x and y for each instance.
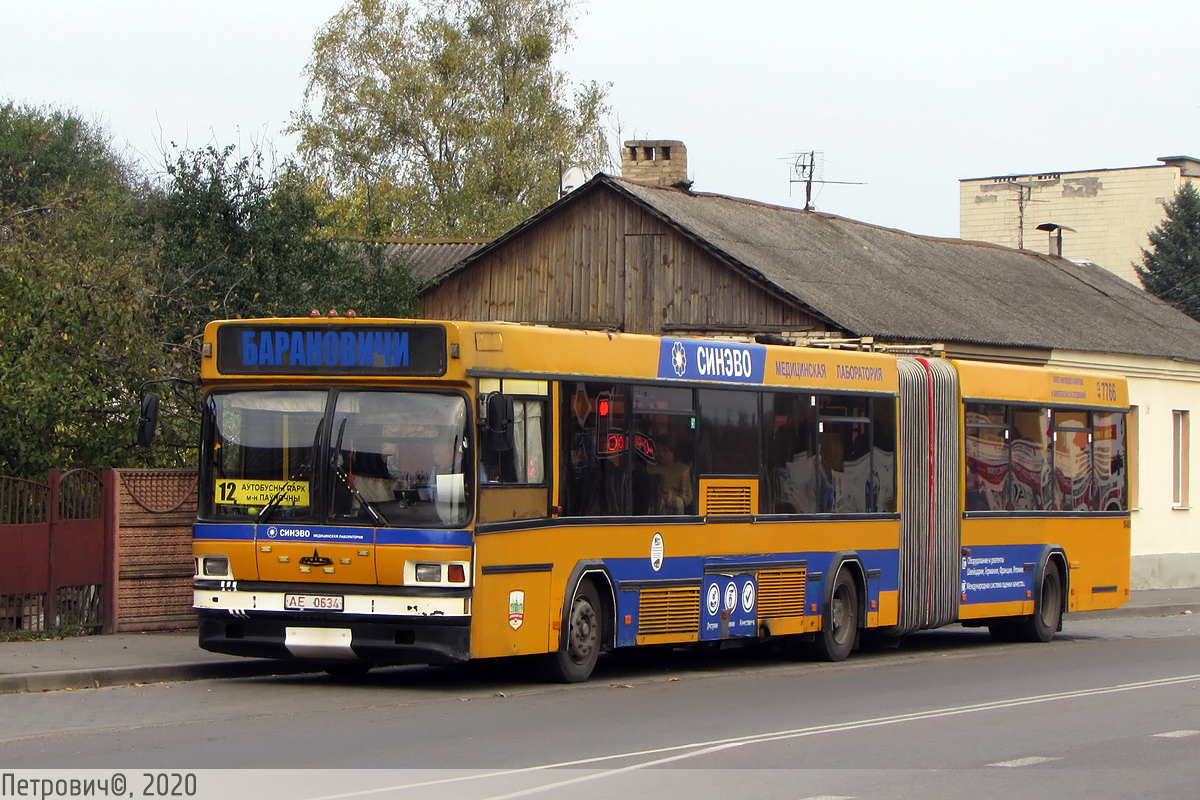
(651, 255)
(660, 258)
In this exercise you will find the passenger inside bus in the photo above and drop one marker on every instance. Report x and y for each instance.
(675, 485)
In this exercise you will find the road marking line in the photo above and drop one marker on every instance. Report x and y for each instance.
(1176, 734)
(1028, 761)
(691, 750)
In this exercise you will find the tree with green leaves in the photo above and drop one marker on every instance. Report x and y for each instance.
(234, 240)
(74, 343)
(1170, 268)
(445, 118)
(107, 281)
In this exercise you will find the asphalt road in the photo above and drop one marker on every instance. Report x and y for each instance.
(1109, 709)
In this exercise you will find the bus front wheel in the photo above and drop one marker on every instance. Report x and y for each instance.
(839, 627)
(575, 662)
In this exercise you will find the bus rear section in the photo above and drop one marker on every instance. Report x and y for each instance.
(1045, 519)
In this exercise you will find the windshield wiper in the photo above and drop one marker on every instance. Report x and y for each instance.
(273, 503)
(345, 479)
(364, 502)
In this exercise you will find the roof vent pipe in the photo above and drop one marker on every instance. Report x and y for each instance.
(1055, 231)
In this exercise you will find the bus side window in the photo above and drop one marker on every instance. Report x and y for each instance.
(790, 425)
(1073, 470)
(525, 463)
(1030, 482)
(987, 453)
(883, 453)
(1109, 463)
(596, 449)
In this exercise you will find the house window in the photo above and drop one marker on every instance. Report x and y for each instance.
(1179, 486)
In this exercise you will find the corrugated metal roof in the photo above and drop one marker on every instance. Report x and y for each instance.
(874, 281)
(429, 258)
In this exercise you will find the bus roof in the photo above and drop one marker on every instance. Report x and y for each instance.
(372, 349)
(982, 380)
(320, 348)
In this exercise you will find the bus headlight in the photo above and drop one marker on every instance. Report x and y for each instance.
(443, 574)
(429, 573)
(214, 566)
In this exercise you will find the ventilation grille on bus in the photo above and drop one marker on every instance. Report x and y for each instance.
(670, 610)
(728, 497)
(781, 593)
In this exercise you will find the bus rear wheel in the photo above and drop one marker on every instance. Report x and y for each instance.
(574, 662)
(839, 628)
(1047, 612)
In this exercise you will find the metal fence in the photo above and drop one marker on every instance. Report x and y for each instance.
(53, 540)
(104, 554)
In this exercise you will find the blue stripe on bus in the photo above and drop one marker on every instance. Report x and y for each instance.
(697, 360)
(223, 532)
(728, 591)
(329, 533)
(886, 562)
(459, 538)
(997, 574)
(989, 573)
(315, 533)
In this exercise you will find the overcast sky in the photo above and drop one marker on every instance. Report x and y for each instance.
(899, 99)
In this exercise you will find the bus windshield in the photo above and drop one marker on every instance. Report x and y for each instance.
(381, 458)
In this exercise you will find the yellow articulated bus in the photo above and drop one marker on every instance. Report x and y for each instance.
(378, 491)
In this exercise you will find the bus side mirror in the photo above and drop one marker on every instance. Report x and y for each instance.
(498, 421)
(147, 420)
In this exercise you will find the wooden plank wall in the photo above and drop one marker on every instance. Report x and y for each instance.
(606, 262)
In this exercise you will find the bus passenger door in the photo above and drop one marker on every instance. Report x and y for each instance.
(510, 609)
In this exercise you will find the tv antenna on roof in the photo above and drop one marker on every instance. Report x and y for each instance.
(806, 169)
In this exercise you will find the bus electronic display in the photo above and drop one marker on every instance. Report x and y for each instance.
(307, 349)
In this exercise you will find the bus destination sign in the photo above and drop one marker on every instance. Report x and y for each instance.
(306, 349)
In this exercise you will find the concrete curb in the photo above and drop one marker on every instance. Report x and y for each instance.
(1166, 610)
(60, 680)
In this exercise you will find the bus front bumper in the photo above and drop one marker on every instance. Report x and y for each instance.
(370, 639)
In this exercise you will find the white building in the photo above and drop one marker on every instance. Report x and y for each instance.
(1106, 214)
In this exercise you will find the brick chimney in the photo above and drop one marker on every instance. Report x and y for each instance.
(659, 161)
